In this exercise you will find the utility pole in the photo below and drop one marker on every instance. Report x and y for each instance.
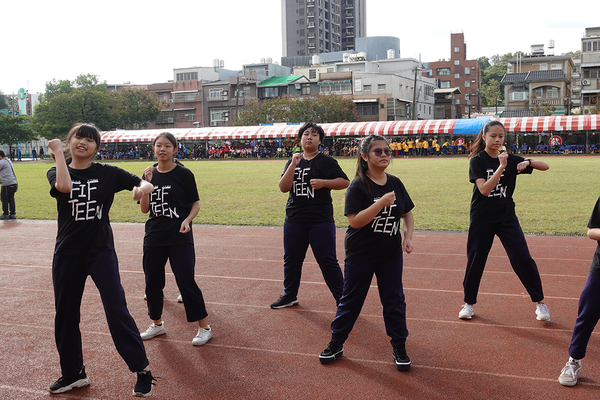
(414, 114)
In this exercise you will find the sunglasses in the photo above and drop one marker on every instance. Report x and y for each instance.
(379, 152)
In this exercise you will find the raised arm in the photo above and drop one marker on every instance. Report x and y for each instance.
(286, 181)
(63, 179)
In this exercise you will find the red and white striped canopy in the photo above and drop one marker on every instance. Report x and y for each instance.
(572, 123)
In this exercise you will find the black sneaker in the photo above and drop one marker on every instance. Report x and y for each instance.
(143, 386)
(401, 359)
(284, 301)
(332, 352)
(65, 384)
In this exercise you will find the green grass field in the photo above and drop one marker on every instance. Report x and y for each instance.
(245, 192)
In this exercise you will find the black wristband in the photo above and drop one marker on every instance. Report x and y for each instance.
(528, 159)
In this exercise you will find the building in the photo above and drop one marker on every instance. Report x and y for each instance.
(538, 84)
(445, 103)
(590, 70)
(459, 73)
(321, 26)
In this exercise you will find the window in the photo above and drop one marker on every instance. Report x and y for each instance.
(457, 101)
(467, 84)
(216, 115)
(367, 108)
(543, 67)
(456, 62)
(330, 70)
(456, 76)
(312, 74)
(444, 84)
(457, 49)
(556, 66)
(444, 71)
(552, 93)
(518, 96)
(214, 94)
(306, 89)
(190, 116)
(381, 87)
(367, 88)
(467, 70)
(187, 76)
(539, 93)
(467, 96)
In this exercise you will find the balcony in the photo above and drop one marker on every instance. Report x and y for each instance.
(548, 102)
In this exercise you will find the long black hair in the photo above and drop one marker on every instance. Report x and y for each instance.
(479, 144)
(362, 167)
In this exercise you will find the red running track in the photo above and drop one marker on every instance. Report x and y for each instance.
(260, 353)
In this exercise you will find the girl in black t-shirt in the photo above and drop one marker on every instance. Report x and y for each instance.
(172, 205)
(494, 175)
(309, 177)
(588, 313)
(376, 204)
(84, 193)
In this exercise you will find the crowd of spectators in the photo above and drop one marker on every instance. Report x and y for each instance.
(284, 148)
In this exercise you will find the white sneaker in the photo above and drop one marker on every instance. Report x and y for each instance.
(154, 331)
(179, 299)
(203, 336)
(568, 375)
(466, 312)
(542, 312)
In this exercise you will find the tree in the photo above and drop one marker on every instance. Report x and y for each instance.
(86, 100)
(14, 130)
(492, 92)
(319, 109)
(3, 101)
(575, 55)
(136, 107)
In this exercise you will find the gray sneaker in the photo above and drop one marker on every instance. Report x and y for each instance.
(154, 331)
(570, 373)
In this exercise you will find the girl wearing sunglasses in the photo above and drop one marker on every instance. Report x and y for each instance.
(376, 203)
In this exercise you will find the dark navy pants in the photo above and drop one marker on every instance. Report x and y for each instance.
(479, 243)
(7, 196)
(321, 237)
(183, 260)
(69, 273)
(357, 280)
(587, 317)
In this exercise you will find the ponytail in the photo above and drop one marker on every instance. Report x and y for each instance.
(479, 144)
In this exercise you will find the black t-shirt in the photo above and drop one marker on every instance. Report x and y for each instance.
(498, 206)
(83, 222)
(170, 203)
(380, 239)
(595, 223)
(306, 204)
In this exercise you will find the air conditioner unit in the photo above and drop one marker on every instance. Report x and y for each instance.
(213, 123)
(224, 96)
(225, 119)
(226, 113)
(585, 82)
(170, 120)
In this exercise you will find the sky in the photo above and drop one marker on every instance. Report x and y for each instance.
(141, 42)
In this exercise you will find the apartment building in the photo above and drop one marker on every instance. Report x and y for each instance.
(590, 69)
(321, 26)
(538, 84)
(460, 73)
